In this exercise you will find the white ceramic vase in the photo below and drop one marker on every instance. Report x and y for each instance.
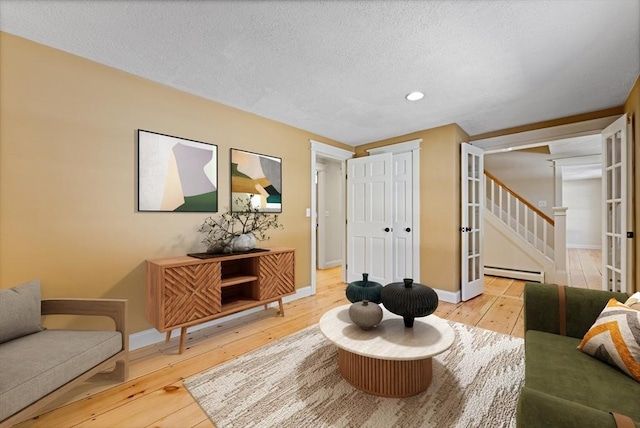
(244, 242)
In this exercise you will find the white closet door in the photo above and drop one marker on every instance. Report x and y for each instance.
(402, 216)
(369, 218)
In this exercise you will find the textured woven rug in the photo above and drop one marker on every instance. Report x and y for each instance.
(295, 382)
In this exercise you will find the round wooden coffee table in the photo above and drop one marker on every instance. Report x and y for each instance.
(389, 360)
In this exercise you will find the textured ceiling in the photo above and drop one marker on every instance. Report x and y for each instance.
(341, 68)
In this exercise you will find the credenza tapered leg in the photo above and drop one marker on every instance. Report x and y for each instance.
(183, 336)
(281, 313)
(168, 336)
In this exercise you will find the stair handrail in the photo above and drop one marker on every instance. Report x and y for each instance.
(521, 198)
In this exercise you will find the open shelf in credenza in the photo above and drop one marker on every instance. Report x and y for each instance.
(237, 279)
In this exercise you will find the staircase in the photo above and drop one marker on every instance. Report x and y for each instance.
(536, 240)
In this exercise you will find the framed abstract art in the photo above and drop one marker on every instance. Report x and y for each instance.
(176, 174)
(256, 180)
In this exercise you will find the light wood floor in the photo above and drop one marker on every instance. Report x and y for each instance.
(585, 268)
(154, 395)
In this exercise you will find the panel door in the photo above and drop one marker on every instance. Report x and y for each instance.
(369, 218)
(402, 216)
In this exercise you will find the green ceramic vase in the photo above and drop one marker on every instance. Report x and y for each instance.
(364, 290)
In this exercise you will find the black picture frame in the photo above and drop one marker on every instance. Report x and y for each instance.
(258, 178)
(176, 174)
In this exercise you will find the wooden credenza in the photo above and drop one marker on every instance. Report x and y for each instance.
(184, 291)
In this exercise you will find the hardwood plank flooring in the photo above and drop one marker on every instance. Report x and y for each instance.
(154, 395)
(585, 268)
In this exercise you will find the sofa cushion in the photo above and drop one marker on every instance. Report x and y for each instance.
(615, 338)
(29, 374)
(537, 409)
(20, 310)
(554, 365)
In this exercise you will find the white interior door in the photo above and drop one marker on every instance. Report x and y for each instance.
(402, 216)
(472, 197)
(614, 203)
(369, 218)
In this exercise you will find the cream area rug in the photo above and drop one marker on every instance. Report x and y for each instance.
(295, 382)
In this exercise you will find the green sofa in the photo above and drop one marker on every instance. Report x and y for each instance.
(565, 387)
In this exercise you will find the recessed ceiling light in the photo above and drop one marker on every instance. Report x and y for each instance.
(414, 96)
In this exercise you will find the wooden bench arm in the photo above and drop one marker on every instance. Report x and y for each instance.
(116, 309)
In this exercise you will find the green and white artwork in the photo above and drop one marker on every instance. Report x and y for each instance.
(176, 174)
(256, 181)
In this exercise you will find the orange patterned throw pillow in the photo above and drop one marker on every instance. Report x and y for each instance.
(615, 338)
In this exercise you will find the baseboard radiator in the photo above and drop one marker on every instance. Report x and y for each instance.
(525, 275)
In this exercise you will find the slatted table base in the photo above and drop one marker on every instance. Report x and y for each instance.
(387, 378)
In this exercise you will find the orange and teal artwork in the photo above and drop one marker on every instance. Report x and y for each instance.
(256, 180)
(176, 174)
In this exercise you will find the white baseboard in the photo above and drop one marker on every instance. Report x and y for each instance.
(514, 274)
(330, 264)
(448, 296)
(152, 336)
(585, 246)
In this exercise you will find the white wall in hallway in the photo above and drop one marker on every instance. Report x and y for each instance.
(333, 215)
(584, 215)
(527, 172)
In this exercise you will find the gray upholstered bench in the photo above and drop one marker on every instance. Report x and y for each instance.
(38, 365)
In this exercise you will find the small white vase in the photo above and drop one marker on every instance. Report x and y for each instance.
(244, 242)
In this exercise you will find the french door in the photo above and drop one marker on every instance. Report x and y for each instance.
(614, 205)
(471, 229)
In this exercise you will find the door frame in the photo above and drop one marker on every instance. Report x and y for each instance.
(318, 149)
(412, 146)
(542, 136)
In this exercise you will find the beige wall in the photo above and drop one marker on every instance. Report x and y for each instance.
(632, 108)
(68, 174)
(439, 202)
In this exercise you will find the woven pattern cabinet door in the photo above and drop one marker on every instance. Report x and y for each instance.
(191, 292)
(276, 276)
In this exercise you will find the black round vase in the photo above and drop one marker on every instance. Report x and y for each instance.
(409, 300)
(364, 290)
